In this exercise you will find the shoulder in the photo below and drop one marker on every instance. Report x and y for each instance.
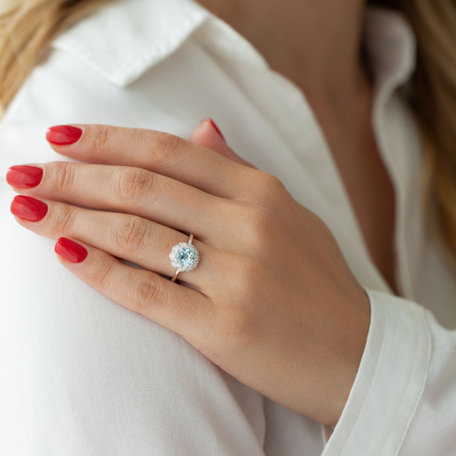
(115, 66)
(114, 46)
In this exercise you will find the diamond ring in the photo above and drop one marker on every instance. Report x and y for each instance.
(184, 257)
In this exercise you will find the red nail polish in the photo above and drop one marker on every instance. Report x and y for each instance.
(28, 208)
(70, 250)
(217, 129)
(24, 176)
(62, 135)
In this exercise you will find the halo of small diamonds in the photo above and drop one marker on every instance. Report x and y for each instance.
(184, 257)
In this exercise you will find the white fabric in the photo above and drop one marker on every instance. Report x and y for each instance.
(82, 376)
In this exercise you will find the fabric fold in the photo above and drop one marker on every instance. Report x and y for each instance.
(389, 383)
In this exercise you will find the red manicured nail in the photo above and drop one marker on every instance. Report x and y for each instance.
(28, 208)
(63, 135)
(217, 129)
(70, 250)
(24, 176)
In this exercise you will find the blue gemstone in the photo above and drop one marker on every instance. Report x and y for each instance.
(185, 257)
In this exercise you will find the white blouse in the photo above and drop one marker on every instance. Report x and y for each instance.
(83, 376)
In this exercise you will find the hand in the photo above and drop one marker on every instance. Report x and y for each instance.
(272, 301)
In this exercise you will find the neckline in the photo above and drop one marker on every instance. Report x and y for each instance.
(390, 45)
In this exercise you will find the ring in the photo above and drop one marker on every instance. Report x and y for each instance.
(184, 257)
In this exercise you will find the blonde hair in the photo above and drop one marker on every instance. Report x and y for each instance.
(434, 101)
(29, 25)
(26, 28)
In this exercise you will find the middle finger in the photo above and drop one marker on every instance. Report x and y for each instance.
(129, 190)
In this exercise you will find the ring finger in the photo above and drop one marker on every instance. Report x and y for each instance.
(138, 240)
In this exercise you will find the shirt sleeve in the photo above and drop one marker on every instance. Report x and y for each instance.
(403, 399)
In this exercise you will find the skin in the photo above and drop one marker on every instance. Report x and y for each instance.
(316, 44)
(293, 326)
(291, 320)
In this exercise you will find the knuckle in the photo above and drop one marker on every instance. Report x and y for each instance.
(269, 187)
(257, 225)
(101, 275)
(64, 220)
(99, 138)
(64, 178)
(166, 148)
(271, 181)
(132, 184)
(147, 292)
(130, 233)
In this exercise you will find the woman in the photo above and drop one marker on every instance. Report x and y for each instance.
(316, 315)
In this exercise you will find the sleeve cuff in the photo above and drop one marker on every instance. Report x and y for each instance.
(389, 382)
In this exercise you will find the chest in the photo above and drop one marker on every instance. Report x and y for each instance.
(372, 197)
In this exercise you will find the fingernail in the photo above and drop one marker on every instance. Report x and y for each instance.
(24, 176)
(62, 135)
(28, 208)
(217, 129)
(70, 250)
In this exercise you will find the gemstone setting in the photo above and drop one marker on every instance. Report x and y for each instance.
(184, 257)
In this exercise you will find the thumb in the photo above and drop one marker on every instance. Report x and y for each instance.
(207, 134)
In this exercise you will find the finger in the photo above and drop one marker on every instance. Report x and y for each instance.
(153, 150)
(208, 134)
(140, 241)
(181, 309)
(128, 190)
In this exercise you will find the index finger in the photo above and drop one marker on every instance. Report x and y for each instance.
(153, 150)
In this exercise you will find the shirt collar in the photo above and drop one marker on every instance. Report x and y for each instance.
(124, 38)
(391, 48)
(153, 29)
